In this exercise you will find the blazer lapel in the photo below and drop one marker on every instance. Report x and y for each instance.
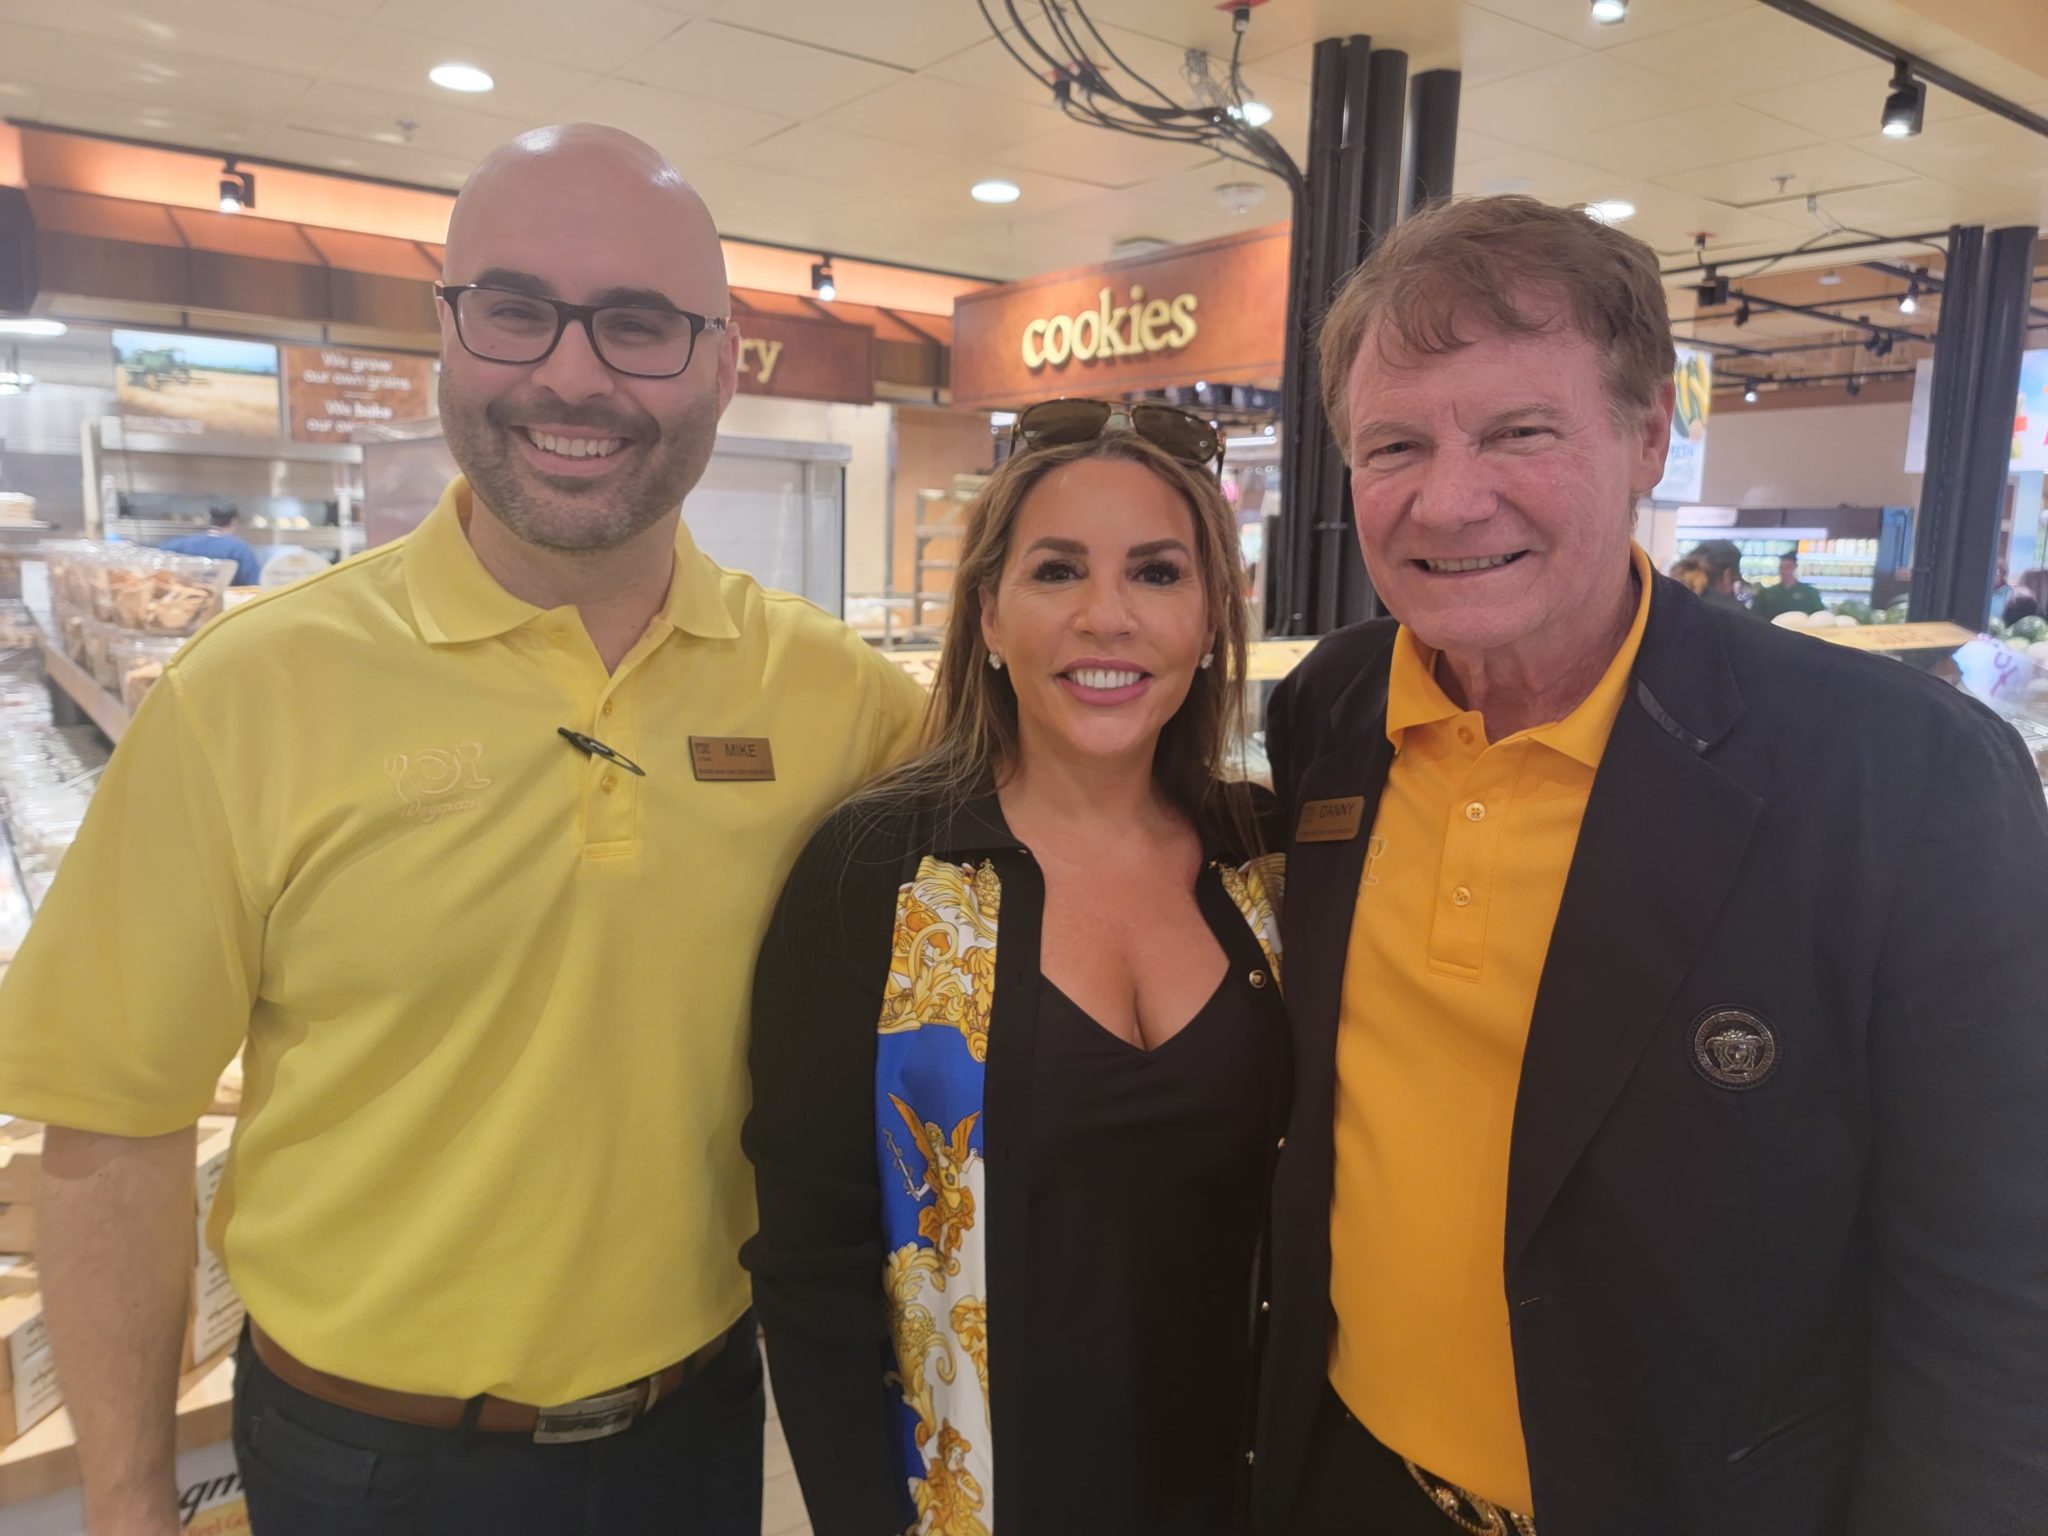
(1664, 835)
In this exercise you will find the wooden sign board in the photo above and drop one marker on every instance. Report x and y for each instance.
(1209, 313)
(332, 392)
(802, 359)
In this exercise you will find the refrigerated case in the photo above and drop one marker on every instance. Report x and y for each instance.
(772, 508)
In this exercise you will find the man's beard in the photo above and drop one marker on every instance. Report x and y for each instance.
(571, 517)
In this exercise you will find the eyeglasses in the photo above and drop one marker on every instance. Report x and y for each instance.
(503, 325)
(1056, 423)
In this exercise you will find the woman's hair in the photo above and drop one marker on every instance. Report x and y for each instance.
(970, 729)
(1691, 570)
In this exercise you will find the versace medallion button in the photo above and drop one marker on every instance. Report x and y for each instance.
(1734, 1048)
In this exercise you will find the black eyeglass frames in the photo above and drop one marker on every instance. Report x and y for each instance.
(503, 325)
(1055, 423)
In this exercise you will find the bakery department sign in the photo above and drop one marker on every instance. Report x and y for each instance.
(331, 392)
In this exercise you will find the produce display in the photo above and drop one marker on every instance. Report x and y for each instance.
(1846, 614)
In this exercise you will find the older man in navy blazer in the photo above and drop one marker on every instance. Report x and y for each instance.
(1670, 1143)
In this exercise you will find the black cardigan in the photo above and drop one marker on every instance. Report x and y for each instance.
(817, 1261)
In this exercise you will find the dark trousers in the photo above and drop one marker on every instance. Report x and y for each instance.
(690, 1468)
(1354, 1486)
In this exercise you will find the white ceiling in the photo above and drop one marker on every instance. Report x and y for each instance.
(857, 126)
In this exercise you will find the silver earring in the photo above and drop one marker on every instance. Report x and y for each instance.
(995, 663)
(1208, 661)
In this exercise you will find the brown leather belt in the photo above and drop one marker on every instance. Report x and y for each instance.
(589, 1418)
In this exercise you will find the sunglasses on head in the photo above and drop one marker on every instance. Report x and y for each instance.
(1057, 423)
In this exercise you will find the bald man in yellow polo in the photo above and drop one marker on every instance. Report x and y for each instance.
(468, 845)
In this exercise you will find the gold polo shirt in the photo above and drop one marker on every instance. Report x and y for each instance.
(493, 990)
(1463, 877)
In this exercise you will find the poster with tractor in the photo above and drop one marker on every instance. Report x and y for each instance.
(174, 383)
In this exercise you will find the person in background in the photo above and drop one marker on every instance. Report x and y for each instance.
(219, 541)
(1790, 595)
(1721, 560)
(469, 845)
(1667, 1150)
(1023, 999)
(1692, 571)
(2029, 598)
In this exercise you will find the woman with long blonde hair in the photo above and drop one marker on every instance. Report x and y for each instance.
(1019, 1058)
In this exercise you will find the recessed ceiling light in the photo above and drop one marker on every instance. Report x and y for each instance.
(996, 192)
(1612, 211)
(460, 77)
(1608, 12)
(32, 327)
(1253, 114)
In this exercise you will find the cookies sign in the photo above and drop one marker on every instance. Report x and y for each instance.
(332, 392)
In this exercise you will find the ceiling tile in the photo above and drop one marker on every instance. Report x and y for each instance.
(1753, 50)
(910, 34)
(688, 129)
(1198, 187)
(1817, 170)
(398, 162)
(466, 133)
(31, 54)
(1847, 106)
(849, 159)
(989, 66)
(161, 76)
(2003, 77)
(384, 58)
(1493, 47)
(1554, 106)
(1982, 148)
(917, 109)
(1573, 18)
(730, 64)
(607, 33)
(1274, 28)
(1709, 135)
(1102, 156)
(245, 32)
(147, 118)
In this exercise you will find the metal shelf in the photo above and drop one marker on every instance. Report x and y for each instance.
(145, 530)
(115, 438)
(100, 706)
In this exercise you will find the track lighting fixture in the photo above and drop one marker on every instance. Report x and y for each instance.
(237, 188)
(1712, 290)
(1751, 393)
(1909, 303)
(1742, 314)
(1905, 109)
(821, 280)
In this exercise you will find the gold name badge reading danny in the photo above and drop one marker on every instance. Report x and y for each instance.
(732, 759)
(1330, 821)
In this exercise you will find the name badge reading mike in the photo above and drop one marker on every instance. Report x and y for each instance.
(732, 759)
(1330, 821)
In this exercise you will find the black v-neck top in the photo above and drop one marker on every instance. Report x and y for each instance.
(1147, 1197)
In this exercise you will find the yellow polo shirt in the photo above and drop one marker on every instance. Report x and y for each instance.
(493, 990)
(1463, 877)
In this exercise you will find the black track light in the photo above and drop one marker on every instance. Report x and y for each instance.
(1712, 290)
(237, 188)
(1905, 109)
(1909, 303)
(1742, 314)
(1751, 393)
(821, 280)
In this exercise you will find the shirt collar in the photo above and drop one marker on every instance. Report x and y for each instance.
(457, 601)
(1415, 698)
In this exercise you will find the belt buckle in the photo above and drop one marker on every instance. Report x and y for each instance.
(588, 1418)
(1468, 1511)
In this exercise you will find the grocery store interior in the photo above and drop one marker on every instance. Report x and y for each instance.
(221, 220)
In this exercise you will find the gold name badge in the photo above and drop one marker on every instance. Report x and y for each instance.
(1330, 821)
(731, 759)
